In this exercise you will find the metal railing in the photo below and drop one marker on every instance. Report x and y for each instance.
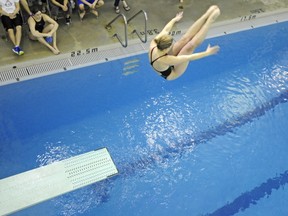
(108, 26)
(145, 25)
(125, 43)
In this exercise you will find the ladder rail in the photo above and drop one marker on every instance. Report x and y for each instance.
(145, 26)
(108, 26)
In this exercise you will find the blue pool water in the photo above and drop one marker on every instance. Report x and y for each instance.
(213, 142)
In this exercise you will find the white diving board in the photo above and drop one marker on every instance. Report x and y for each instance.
(34, 186)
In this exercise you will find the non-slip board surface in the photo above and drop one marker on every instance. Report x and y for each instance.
(37, 185)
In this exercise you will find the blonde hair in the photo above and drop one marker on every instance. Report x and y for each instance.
(164, 42)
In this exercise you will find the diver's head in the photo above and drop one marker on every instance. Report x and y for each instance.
(164, 42)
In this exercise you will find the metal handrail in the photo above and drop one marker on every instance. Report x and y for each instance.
(108, 26)
(135, 31)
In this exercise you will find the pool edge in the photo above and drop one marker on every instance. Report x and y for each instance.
(82, 58)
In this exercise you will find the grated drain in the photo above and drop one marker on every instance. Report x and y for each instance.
(49, 66)
(13, 74)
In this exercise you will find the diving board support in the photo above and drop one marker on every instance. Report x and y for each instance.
(29, 188)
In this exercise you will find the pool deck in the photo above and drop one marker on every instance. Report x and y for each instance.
(88, 42)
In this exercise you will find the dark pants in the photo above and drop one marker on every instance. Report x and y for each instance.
(116, 3)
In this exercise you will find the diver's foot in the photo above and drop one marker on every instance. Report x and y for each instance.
(212, 8)
(215, 13)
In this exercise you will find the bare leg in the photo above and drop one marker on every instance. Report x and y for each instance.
(48, 28)
(125, 5)
(194, 42)
(55, 43)
(82, 11)
(99, 4)
(93, 11)
(192, 31)
(200, 35)
(12, 36)
(43, 41)
(53, 48)
(18, 35)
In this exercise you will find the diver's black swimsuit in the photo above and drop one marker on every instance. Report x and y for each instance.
(39, 25)
(165, 73)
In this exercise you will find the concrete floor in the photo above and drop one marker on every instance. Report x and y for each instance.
(91, 33)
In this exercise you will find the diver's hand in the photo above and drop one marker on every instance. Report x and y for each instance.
(178, 16)
(212, 50)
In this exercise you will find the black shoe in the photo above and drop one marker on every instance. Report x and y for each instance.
(68, 20)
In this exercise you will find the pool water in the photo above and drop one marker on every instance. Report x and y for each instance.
(213, 142)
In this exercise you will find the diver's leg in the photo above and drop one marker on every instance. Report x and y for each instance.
(193, 30)
(192, 44)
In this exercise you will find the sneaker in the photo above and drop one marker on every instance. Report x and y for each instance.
(125, 6)
(68, 20)
(117, 10)
(18, 50)
(15, 50)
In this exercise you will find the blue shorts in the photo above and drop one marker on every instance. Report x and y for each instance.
(90, 1)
